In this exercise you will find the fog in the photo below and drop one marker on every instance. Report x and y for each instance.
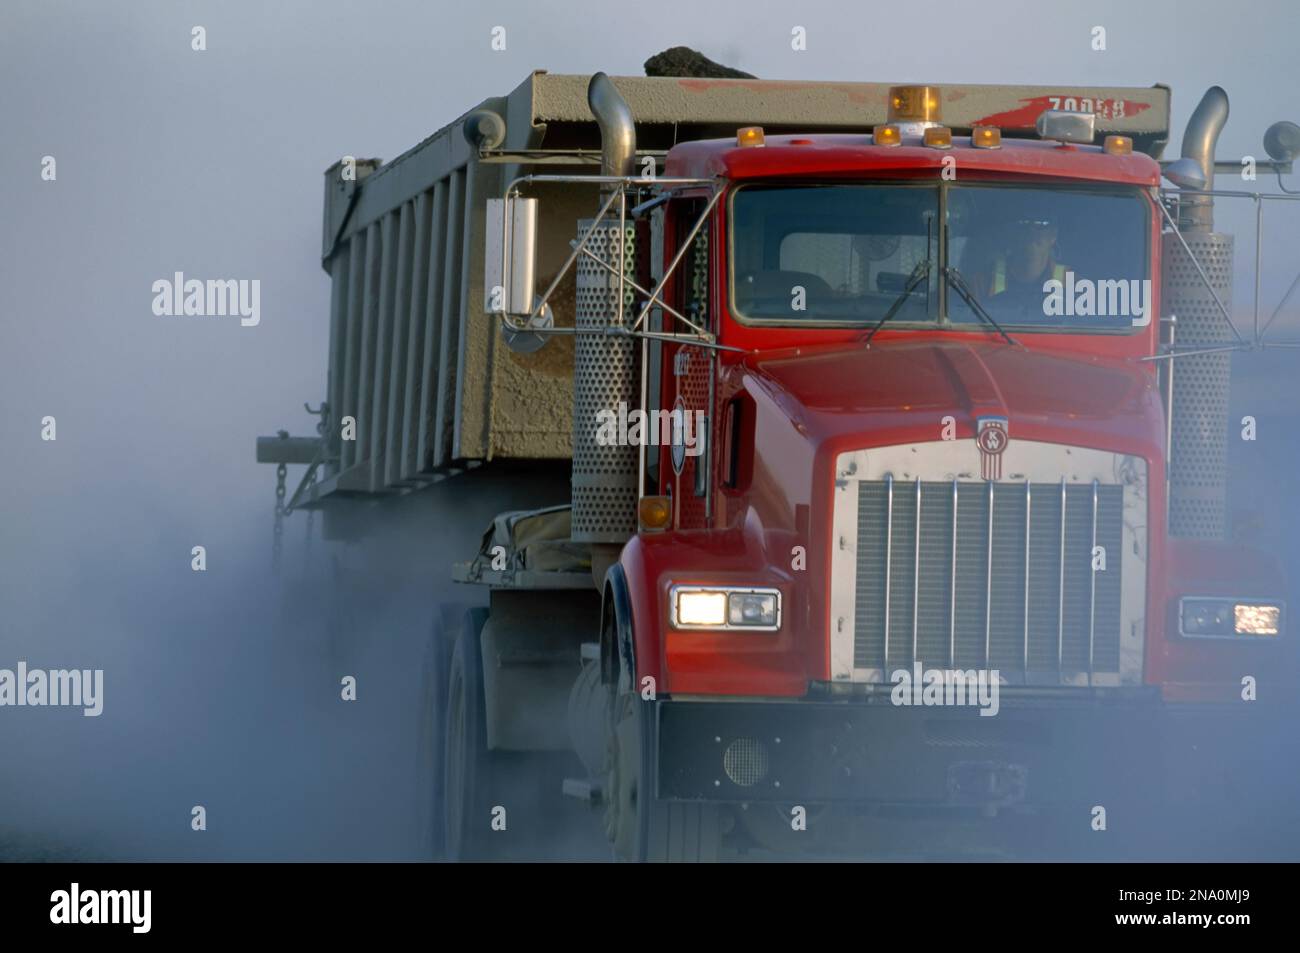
(222, 687)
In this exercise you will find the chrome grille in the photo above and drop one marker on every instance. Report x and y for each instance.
(991, 575)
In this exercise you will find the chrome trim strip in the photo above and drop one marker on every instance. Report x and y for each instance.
(889, 556)
(1060, 610)
(1092, 585)
(1028, 515)
(1235, 600)
(916, 566)
(952, 585)
(729, 591)
(842, 618)
(988, 582)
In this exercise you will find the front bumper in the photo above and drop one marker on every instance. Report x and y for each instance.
(1074, 748)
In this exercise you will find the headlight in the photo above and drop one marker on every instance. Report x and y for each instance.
(725, 607)
(1257, 620)
(1229, 618)
(701, 608)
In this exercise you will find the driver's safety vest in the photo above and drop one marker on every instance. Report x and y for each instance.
(999, 283)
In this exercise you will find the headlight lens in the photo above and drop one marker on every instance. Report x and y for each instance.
(701, 608)
(1257, 620)
(1228, 618)
(752, 608)
(725, 607)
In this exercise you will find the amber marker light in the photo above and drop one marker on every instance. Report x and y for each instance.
(914, 104)
(937, 137)
(654, 512)
(887, 136)
(1118, 145)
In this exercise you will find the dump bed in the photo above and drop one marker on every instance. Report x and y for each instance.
(413, 357)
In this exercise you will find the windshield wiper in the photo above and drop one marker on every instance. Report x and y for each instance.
(919, 274)
(958, 283)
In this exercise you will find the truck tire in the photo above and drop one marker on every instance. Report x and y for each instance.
(436, 674)
(643, 827)
(542, 823)
(648, 829)
(468, 765)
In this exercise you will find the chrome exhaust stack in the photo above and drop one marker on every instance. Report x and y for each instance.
(1200, 388)
(1199, 143)
(617, 129)
(606, 369)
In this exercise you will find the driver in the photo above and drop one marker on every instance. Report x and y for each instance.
(1026, 261)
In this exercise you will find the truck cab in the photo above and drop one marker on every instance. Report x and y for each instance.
(937, 452)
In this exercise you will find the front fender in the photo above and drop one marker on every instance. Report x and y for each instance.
(716, 662)
(1197, 669)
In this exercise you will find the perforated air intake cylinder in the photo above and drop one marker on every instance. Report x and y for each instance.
(606, 378)
(1198, 459)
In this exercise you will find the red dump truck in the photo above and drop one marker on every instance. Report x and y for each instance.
(855, 449)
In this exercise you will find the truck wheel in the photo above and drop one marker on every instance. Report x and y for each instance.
(431, 755)
(468, 766)
(642, 827)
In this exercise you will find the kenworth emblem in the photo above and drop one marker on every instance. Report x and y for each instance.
(991, 438)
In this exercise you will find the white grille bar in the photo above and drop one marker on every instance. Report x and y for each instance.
(889, 554)
(916, 566)
(1028, 515)
(1092, 585)
(1060, 611)
(988, 582)
(952, 590)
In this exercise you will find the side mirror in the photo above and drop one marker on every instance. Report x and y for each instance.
(510, 270)
(1186, 174)
(1282, 141)
(510, 256)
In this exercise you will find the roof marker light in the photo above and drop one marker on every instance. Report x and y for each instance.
(750, 136)
(937, 137)
(986, 137)
(887, 136)
(1118, 145)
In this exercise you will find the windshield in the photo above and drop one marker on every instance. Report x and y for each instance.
(1064, 259)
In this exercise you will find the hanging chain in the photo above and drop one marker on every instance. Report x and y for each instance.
(322, 426)
(277, 531)
(311, 518)
(281, 510)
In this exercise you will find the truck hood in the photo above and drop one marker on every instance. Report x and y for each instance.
(900, 391)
